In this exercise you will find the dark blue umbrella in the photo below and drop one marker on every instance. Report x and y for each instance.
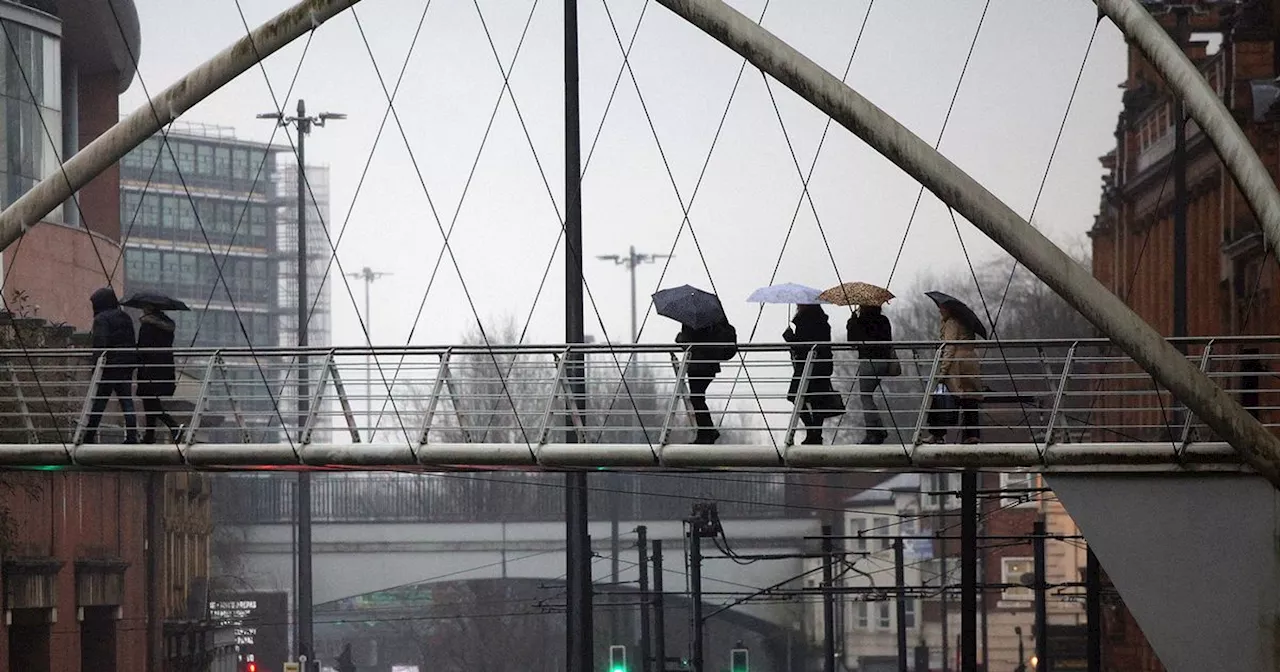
(961, 311)
(690, 306)
(156, 299)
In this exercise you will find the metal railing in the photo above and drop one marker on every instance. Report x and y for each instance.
(412, 402)
(506, 497)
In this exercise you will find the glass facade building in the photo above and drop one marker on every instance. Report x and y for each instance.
(31, 105)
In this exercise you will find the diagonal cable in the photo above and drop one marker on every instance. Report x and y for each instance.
(686, 206)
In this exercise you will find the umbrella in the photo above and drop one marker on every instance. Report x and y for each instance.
(857, 294)
(961, 311)
(156, 299)
(788, 292)
(689, 306)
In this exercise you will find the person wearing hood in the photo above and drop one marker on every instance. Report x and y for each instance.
(870, 329)
(114, 343)
(156, 373)
(820, 401)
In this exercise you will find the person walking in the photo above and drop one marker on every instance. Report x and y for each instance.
(959, 371)
(708, 347)
(115, 344)
(156, 373)
(819, 401)
(870, 329)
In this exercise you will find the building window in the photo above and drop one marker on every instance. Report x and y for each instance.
(133, 266)
(170, 268)
(151, 212)
(170, 206)
(239, 164)
(204, 160)
(1013, 571)
(884, 615)
(858, 525)
(910, 619)
(1018, 481)
(222, 162)
(186, 153)
(937, 488)
(880, 527)
(864, 621)
(257, 222)
(147, 155)
(151, 266)
(188, 273)
(32, 57)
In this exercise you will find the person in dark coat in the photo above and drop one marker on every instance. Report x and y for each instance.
(869, 328)
(703, 365)
(820, 401)
(115, 345)
(156, 373)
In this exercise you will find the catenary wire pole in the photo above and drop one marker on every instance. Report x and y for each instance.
(646, 650)
(368, 275)
(303, 585)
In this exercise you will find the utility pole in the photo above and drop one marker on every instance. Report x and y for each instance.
(1093, 611)
(703, 524)
(1043, 664)
(945, 600)
(828, 601)
(580, 649)
(368, 275)
(659, 611)
(642, 545)
(968, 570)
(631, 260)
(303, 584)
(900, 583)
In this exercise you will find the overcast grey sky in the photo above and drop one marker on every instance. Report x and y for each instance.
(910, 58)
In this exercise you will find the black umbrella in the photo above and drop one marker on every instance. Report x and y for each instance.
(155, 299)
(690, 306)
(961, 311)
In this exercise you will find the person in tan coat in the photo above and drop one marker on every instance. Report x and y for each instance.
(959, 370)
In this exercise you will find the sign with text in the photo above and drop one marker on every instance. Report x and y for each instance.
(260, 621)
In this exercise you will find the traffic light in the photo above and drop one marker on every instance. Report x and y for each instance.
(738, 660)
(251, 667)
(617, 658)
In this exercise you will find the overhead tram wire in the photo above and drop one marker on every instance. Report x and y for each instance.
(1044, 178)
(204, 234)
(686, 207)
(964, 69)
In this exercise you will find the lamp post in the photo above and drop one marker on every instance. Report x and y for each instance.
(302, 584)
(368, 275)
(631, 260)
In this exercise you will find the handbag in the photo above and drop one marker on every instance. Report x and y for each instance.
(943, 407)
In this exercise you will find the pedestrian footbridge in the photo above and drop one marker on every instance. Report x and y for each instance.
(1047, 405)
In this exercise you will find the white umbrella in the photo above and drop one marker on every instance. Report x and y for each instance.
(787, 292)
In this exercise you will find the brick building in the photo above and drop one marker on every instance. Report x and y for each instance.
(1231, 285)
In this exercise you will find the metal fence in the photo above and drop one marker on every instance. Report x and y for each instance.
(393, 401)
(499, 496)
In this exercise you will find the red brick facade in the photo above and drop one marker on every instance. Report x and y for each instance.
(1230, 285)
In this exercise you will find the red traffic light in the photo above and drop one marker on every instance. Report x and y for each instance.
(251, 667)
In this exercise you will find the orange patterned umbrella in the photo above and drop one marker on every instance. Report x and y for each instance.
(857, 294)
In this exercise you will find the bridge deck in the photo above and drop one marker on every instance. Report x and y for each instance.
(1044, 404)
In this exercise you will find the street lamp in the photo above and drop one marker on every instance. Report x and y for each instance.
(631, 260)
(368, 275)
(303, 584)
